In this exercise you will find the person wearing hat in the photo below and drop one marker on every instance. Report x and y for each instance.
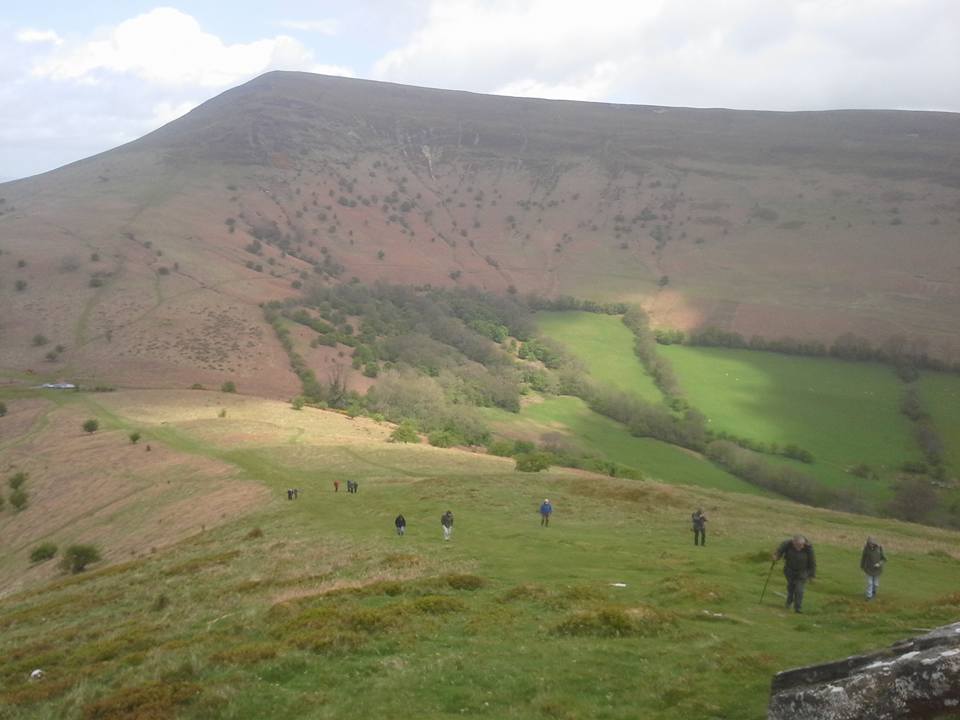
(871, 562)
(545, 509)
(799, 566)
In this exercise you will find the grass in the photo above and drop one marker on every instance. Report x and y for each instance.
(327, 613)
(941, 398)
(610, 440)
(605, 346)
(844, 413)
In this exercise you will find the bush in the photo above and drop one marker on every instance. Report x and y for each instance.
(228, 387)
(17, 480)
(500, 448)
(444, 438)
(406, 432)
(3, 409)
(297, 403)
(91, 425)
(77, 557)
(18, 498)
(39, 340)
(42, 552)
(533, 462)
(134, 437)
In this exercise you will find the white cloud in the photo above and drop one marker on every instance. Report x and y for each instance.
(340, 70)
(168, 47)
(327, 26)
(790, 54)
(29, 36)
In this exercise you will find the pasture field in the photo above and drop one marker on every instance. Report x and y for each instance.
(598, 435)
(845, 413)
(605, 346)
(940, 395)
(315, 608)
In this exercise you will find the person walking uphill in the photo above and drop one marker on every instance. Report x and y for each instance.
(446, 520)
(699, 527)
(401, 523)
(871, 562)
(545, 510)
(799, 567)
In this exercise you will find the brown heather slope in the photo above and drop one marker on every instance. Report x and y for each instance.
(800, 224)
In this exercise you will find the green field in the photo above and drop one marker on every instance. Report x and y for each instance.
(605, 346)
(605, 438)
(941, 398)
(324, 612)
(844, 413)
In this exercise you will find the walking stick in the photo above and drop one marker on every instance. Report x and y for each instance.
(767, 582)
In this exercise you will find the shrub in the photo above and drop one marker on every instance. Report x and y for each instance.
(134, 437)
(42, 552)
(3, 409)
(443, 438)
(500, 448)
(228, 387)
(39, 340)
(196, 386)
(533, 462)
(77, 557)
(297, 403)
(21, 285)
(91, 425)
(221, 414)
(254, 534)
(17, 480)
(406, 432)
(18, 498)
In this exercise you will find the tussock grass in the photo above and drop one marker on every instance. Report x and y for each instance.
(152, 701)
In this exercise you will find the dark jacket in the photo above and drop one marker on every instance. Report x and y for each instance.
(699, 521)
(797, 564)
(401, 521)
(447, 519)
(872, 559)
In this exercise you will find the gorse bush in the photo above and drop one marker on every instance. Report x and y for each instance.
(77, 557)
(91, 425)
(17, 480)
(18, 498)
(134, 437)
(43, 552)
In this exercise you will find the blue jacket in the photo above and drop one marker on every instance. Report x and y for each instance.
(546, 508)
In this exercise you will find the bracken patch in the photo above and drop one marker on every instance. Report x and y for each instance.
(153, 701)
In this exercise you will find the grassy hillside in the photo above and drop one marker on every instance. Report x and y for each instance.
(594, 433)
(316, 609)
(605, 346)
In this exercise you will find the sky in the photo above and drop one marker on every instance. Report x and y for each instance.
(78, 78)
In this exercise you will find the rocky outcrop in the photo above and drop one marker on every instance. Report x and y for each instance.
(916, 678)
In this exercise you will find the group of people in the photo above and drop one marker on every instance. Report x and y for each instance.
(293, 493)
(800, 561)
(446, 520)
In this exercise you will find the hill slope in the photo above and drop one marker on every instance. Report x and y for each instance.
(806, 224)
(507, 620)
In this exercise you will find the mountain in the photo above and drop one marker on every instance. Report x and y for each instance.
(148, 262)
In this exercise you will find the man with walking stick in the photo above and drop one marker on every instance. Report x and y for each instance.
(799, 567)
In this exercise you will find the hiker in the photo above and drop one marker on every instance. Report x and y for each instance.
(545, 509)
(296, 493)
(289, 494)
(871, 562)
(699, 527)
(401, 523)
(336, 486)
(799, 566)
(446, 520)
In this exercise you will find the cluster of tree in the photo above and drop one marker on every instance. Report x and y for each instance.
(645, 347)
(566, 302)
(556, 450)
(927, 437)
(781, 479)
